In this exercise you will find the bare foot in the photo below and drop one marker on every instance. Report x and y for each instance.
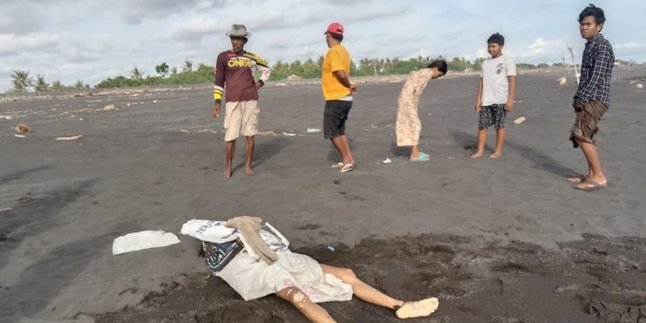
(477, 155)
(228, 173)
(248, 170)
(495, 155)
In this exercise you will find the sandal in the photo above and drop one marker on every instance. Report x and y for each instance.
(421, 157)
(346, 168)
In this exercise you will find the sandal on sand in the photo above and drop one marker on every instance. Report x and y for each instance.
(338, 165)
(577, 179)
(346, 168)
(590, 185)
(421, 157)
(417, 309)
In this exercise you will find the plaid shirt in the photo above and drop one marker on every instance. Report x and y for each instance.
(596, 71)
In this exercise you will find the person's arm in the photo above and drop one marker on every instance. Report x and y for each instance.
(343, 78)
(479, 96)
(512, 93)
(218, 85)
(602, 66)
(265, 71)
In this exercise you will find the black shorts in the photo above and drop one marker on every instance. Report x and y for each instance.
(334, 117)
(492, 115)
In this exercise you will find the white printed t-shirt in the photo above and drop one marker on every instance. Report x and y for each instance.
(495, 88)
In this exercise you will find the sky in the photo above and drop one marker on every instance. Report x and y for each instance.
(91, 40)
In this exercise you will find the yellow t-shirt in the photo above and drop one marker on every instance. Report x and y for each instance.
(337, 58)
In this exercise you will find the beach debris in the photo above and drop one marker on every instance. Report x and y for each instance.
(330, 248)
(562, 81)
(142, 240)
(5, 209)
(5, 117)
(128, 105)
(267, 133)
(519, 120)
(387, 161)
(313, 130)
(19, 136)
(109, 107)
(289, 134)
(640, 86)
(22, 128)
(77, 137)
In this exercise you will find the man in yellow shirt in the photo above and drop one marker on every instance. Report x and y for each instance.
(337, 91)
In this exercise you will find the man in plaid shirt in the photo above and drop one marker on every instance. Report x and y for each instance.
(592, 98)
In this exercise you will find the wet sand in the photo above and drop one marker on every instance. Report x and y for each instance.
(504, 240)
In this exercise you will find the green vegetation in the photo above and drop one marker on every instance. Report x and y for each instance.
(309, 68)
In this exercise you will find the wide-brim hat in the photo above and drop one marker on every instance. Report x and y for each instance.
(239, 31)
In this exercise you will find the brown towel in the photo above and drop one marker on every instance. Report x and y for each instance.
(249, 226)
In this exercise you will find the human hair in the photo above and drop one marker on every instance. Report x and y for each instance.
(337, 37)
(496, 38)
(596, 12)
(439, 64)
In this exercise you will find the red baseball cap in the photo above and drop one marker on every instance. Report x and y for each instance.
(335, 28)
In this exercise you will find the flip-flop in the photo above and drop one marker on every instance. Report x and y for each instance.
(420, 308)
(421, 157)
(576, 179)
(338, 165)
(592, 186)
(346, 168)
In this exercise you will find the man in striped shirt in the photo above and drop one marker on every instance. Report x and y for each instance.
(233, 68)
(592, 98)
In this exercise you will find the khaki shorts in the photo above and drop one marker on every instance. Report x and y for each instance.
(586, 124)
(241, 118)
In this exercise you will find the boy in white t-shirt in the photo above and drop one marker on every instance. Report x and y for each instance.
(495, 96)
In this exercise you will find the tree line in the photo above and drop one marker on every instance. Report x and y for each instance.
(22, 81)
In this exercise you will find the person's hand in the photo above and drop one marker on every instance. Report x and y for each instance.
(258, 85)
(509, 105)
(353, 88)
(216, 110)
(478, 106)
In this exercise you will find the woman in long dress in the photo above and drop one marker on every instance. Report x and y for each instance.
(408, 126)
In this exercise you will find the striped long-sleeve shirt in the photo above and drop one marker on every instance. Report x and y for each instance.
(235, 70)
(596, 71)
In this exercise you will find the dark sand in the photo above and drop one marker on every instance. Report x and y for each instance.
(504, 240)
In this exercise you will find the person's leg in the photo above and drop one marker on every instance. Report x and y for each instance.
(482, 139)
(595, 173)
(362, 290)
(343, 147)
(500, 141)
(312, 311)
(414, 152)
(371, 295)
(231, 148)
(485, 120)
(250, 149)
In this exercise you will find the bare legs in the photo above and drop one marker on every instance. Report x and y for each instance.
(231, 148)
(251, 144)
(342, 146)
(360, 289)
(313, 311)
(482, 140)
(414, 152)
(595, 173)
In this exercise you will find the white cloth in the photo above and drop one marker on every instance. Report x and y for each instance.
(495, 88)
(254, 279)
(143, 240)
